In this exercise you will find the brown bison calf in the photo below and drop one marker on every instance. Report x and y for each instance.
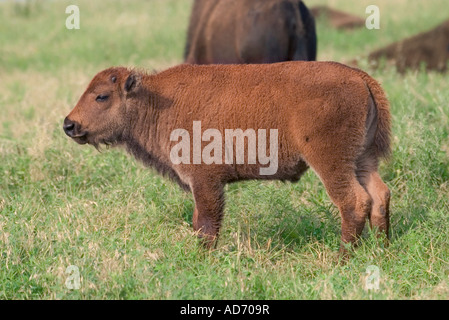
(250, 31)
(322, 115)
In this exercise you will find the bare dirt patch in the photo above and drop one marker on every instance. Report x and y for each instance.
(336, 18)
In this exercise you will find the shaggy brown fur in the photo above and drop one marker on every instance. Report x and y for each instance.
(336, 18)
(250, 31)
(329, 117)
(429, 48)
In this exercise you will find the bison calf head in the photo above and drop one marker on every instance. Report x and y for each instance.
(99, 117)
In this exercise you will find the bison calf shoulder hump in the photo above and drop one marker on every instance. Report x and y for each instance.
(323, 115)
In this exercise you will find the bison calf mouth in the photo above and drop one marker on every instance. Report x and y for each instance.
(80, 139)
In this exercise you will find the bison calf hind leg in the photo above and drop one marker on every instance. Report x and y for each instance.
(355, 206)
(351, 198)
(367, 174)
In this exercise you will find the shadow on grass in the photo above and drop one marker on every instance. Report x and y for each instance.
(295, 228)
(401, 222)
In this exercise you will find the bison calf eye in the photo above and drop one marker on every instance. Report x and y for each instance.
(102, 98)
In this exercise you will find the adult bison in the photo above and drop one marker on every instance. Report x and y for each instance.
(326, 116)
(429, 49)
(250, 31)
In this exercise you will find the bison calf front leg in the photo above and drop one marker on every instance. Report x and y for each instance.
(208, 214)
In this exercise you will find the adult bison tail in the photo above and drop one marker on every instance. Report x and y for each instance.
(309, 31)
(382, 138)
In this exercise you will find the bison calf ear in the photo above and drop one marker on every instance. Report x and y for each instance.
(130, 83)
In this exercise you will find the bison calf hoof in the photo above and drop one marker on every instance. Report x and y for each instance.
(207, 241)
(346, 248)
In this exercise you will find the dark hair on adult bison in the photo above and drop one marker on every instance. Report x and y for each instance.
(250, 31)
(329, 117)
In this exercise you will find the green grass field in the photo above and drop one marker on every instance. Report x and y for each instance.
(129, 231)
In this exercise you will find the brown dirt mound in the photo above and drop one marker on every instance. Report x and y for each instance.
(430, 48)
(338, 19)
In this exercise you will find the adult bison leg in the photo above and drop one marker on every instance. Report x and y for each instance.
(350, 197)
(208, 213)
(367, 174)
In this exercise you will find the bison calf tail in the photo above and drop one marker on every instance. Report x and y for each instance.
(382, 139)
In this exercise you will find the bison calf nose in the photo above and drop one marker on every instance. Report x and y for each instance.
(69, 127)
